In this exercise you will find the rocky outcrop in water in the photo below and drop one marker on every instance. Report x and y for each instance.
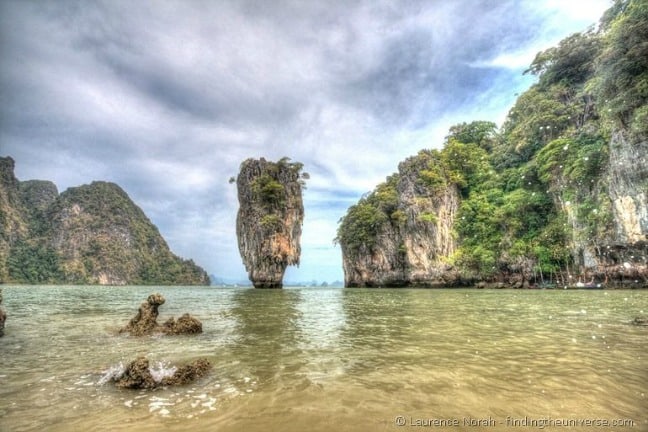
(401, 233)
(138, 374)
(269, 220)
(557, 195)
(3, 316)
(91, 234)
(640, 321)
(145, 322)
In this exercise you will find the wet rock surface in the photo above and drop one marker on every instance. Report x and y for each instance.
(640, 321)
(137, 374)
(3, 316)
(145, 322)
(186, 324)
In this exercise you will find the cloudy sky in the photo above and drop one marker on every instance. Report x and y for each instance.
(167, 98)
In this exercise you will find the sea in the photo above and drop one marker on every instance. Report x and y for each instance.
(330, 359)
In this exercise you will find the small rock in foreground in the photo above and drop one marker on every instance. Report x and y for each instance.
(640, 321)
(145, 322)
(137, 374)
(3, 316)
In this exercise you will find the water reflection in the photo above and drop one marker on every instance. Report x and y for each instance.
(379, 323)
(266, 346)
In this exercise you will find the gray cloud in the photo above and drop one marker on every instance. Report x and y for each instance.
(166, 98)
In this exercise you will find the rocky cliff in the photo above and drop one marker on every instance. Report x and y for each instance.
(400, 234)
(557, 195)
(269, 219)
(91, 234)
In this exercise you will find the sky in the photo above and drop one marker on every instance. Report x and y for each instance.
(167, 97)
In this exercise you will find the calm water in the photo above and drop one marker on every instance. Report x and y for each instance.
(329, 360)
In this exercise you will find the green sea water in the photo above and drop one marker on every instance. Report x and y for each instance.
(311, 359)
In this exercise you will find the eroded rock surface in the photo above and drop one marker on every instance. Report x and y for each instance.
(269, 220)
(145, 322)
(3, 316)
(401, 234)
(138, 375)
(640, 321)
(186, 324)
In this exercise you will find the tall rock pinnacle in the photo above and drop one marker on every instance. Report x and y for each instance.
(270, 217)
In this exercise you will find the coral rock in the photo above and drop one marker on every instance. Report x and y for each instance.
(188, 373)
(145, 322)
(186, 324)
(640, 321)
(138, 374)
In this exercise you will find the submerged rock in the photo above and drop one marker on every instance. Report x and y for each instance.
(3, 316)
(138, 375)
(145, 322)
(188, 373)
(269, 220)
(640, 321)
(186, 324)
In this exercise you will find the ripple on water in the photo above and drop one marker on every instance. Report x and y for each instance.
(334, 358)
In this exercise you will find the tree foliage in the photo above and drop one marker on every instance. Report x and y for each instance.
(532, 189)
(622, 82)
(33, 263)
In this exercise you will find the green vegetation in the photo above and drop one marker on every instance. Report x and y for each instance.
(533, 188)
(361, 226)
(271, 222)
(621, 84)
(91, 234)
(33, 263)
(269, 190)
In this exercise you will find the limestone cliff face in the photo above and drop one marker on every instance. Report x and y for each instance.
(623, 251)
(269, 220)
(427, 233)
(618, 247)
(628, 190)
(401, 234)
(556, 196)
(37, 194)
(103, 238)
(13, 224)
(92, 234)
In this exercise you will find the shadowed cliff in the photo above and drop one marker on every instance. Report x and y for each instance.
(91, 234)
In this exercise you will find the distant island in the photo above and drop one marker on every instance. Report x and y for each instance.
(91, 234)
(557, 195)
